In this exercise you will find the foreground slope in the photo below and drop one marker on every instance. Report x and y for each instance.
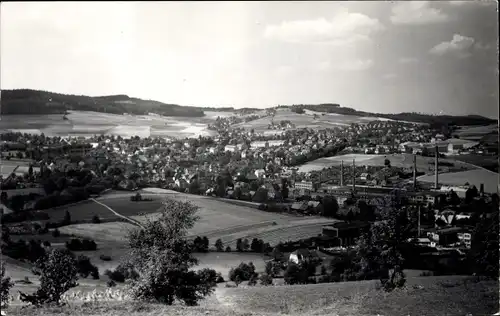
(451, 295)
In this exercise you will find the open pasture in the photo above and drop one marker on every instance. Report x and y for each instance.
(436, 296)
(84, 123)
(475, 132)
(473, 177)
(424, 164)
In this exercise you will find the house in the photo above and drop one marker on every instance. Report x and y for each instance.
(230, 148)
(456, 145)
(445, 236)
(260, 173)
(303, 255)
(346, 233)
(304, 185)
(365, 176)
(426, 242)
(465, 237)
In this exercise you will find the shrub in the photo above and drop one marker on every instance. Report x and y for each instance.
(219, 279)
(111, 283)
(266, 279)
(6, 284)
(243, 272)
(67, 218)
(228, 249)
(96, 219)
(105, 258)
(58, 270)
(85, 267)
(56, 233)
(46, 243)
(253, 279)
(76, 244)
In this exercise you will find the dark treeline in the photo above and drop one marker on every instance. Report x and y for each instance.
(25, 101)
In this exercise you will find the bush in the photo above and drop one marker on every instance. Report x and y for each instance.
(122, 272)
(46, 243)
(58, 270)
(76, 244)
(111, 283)
(220, 279)
(105, 258)
(244, 272)
(266, 279)
(85, 267)
(56, 233)
(253, 279)
(96, 219)
(228, 249)
(6, 284)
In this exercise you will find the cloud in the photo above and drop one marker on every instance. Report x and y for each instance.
(459, 45)
(355, 65)
(474, 2)
(481, 46)
(389, 76)
(407, 60)
(343, 28)
(416, 13)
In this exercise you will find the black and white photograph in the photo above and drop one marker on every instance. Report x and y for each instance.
(249, 158)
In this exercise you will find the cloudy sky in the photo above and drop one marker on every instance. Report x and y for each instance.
(373, 56)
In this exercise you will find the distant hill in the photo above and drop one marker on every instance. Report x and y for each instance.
(405, 116)
(25, 101)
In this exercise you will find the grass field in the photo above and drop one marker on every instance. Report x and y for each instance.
(475, 132)
(361, 298)
(397, 160)
(426, 296)
(473, 177)
(82, 123)
(305, 120)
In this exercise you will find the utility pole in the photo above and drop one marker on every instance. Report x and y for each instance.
(418, 229)
(342, 173)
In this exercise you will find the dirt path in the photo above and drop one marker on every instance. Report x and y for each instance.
(132, 221)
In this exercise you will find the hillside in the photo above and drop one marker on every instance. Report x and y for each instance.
(26, 101)
(405, 116)
(422, 296)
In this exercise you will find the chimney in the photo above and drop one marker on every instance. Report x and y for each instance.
(414, 171)
(481, 189)
(436, 170)
(342, 173)
(353, 175)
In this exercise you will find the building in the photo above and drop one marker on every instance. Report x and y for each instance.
(302, 255)
(446, 236)
(304, 185)
(230, 148)
(456, 145)
(346, 233)
(465, 237)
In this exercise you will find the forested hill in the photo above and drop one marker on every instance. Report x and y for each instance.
(407, 116)
(26, 101)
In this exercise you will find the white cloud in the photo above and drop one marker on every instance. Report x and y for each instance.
(459, 45)
(481, 46)
(407, 60)
(355, 65)
(416, 13)
(344, 27)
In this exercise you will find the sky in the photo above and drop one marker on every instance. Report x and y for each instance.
(385, 57)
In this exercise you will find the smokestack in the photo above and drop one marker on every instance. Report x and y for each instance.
(436, 164)
(353, 175)
(342, 173)
(414, 171)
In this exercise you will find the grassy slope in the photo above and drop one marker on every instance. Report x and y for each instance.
(436, 296)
